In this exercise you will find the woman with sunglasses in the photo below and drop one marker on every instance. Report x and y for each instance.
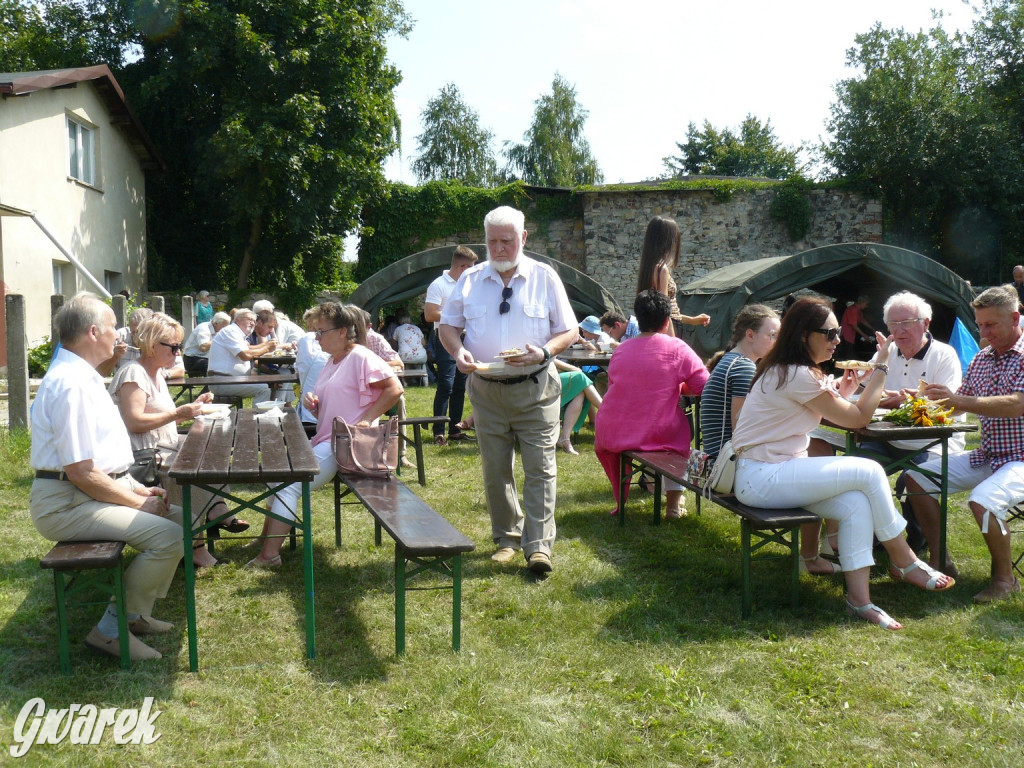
(151, 416)
(789, 396)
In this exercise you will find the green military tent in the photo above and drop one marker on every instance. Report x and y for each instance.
(841, 272)
(412, 275)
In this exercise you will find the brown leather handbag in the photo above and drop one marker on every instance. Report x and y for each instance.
(368, 451)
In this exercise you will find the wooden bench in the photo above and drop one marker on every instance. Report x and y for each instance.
(424, 541)
(758, 527)
(94, 566)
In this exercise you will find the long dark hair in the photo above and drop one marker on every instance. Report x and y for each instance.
(661, 246)
(804, 317)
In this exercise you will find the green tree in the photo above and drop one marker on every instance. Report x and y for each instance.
(754, 151)
(453, 145)
(555, 152)
(930, 125)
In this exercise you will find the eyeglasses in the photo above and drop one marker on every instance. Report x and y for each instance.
(320, 334)
(829, 333)
(175, 348)
(504, 307)
(896, 324)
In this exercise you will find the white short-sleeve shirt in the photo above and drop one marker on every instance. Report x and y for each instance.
(439, 291)
(223, 357)
(74, 419)
(539, 308)
(201, 334)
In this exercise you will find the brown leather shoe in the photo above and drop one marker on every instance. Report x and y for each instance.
(137, 649)
(539, 563)
(147, 625)
(503, 555)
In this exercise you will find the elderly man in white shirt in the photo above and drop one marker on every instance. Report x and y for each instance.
(231, 354)
(197, 345)
(512, 302)
(80, 452)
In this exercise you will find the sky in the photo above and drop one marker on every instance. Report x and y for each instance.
(643, 69)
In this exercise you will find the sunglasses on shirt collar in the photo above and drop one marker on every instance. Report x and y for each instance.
(504, 307)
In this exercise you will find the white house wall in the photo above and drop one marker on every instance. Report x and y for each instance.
(103, 226)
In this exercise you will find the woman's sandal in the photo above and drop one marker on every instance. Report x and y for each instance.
(900, 574)
(566, 446)
(675, 514)
(885, 621)
(836, 567)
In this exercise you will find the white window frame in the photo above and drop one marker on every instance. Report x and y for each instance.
(82, 141)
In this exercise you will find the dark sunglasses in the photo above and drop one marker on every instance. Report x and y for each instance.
(504, 307)
(829, 333)
(175, 348)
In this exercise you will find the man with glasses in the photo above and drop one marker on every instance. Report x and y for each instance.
(918, 357)
(231, 354)
(514, 305)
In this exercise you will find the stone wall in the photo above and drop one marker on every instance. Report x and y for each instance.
(605, 240)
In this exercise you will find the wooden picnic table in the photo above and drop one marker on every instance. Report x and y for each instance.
(253, 448)
(886, 432)
(580, 358)
(272, 358)
(186, 386)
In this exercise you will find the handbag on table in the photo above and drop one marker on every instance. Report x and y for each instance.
(368, 451)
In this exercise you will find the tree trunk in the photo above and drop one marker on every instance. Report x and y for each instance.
(255, 230)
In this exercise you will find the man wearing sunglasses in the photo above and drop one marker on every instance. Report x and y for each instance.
(512, 302)
(231, 355)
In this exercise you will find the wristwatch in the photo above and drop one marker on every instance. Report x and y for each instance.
(547, 355)
(883, 367)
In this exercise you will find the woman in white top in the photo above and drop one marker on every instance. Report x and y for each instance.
(151, 416)
(410, 341)
(788, 398)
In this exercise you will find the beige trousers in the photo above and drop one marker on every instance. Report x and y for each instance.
(527, 412)
(61, 512)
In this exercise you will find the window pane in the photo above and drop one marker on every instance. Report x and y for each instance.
(87, 155)
(73, 149)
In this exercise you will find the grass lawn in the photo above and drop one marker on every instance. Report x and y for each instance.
(633, 653)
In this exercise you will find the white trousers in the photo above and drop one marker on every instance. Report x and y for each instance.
(850, 489)
(288, 499)
(995, 492)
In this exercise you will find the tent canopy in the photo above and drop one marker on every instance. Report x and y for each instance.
(412, 275)
(841, 272)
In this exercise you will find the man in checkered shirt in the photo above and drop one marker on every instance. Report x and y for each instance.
(993, 389)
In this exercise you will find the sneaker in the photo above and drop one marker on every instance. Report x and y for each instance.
(503, 555)
(539, 563)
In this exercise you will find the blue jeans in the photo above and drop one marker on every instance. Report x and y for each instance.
(450, 397)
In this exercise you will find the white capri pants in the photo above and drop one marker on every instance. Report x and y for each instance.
(850, 489)
(288, 499)
(994, 491)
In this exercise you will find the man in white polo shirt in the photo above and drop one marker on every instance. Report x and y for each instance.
(513, 303)
(82, 492)
(231, 355)
(450, 396)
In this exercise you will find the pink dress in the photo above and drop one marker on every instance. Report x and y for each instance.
(640, 411)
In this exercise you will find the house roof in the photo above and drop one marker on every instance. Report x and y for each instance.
(102, 79)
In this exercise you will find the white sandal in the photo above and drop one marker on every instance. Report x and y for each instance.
(885, 621)
(900, 574)
(836, 567)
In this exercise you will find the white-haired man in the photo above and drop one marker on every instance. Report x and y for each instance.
(231, 354)
(81, 452)
(197, 345)
(992, 388)
(513, 304)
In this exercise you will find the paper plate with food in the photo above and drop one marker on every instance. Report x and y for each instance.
(269, 405)
(513, 352)
(854, 365)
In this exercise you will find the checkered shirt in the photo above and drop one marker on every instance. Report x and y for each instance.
(1002, 440)
(379, 346)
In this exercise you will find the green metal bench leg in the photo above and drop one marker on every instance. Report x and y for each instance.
(457, 602)
(421, 473)
(657, 498)
(794, 547)
(399, 600)
(745, 556)
(190, 579)
(63, 646)
(307, 566)
(122, 615)
(337, 510)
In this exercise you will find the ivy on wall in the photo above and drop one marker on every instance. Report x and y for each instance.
(792, 207)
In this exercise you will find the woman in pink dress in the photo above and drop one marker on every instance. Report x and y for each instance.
(646, 376)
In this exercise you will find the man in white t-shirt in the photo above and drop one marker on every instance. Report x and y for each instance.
(450, 398)
(231, 354)
(197, 345)
(81, 451)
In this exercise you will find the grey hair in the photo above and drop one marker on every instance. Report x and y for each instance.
(243, 314)
(221, 318)
(139, 314)
(910, 300)
(203, 294)
(1004, 296)
(504, 216)
(80, 313)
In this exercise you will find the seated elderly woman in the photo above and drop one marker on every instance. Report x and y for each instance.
(354, 384)
(789, 396)
(139, 389)
(646, 377)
